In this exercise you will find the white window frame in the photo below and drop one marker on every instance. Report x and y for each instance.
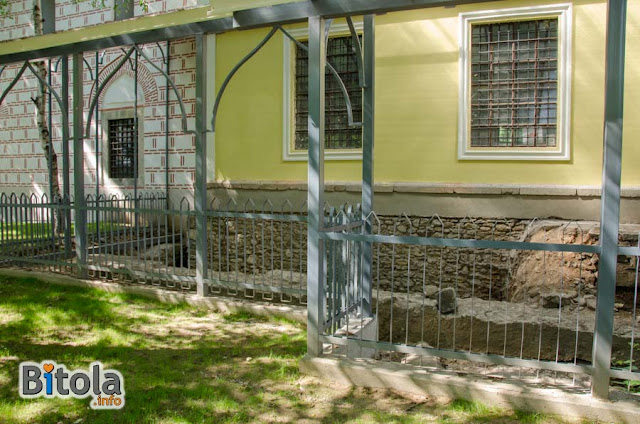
(562, 150)
(289, 153)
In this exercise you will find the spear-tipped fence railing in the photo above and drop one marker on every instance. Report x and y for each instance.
(255, 252)
(502, 297)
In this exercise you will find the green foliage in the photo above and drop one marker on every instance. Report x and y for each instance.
(529, 417)
(632, 385)
(4, 8)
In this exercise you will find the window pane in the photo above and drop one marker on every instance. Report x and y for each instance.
(514, 84)
(338, 135)
(122, 148)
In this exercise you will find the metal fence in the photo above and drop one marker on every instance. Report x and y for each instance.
(498, 297)
(255, 252)
(501, 298)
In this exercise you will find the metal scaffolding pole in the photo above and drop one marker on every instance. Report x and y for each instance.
(65, 156)
(50, 126)
(315, 181)
(78, 166)
(610, 201)
(368, 99)
(97, 149)
(167, 121)
(200, 190)
(50, 152)
(136, 146)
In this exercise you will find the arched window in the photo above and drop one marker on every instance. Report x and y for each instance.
(122, 136)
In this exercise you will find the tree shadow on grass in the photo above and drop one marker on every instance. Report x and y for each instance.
(220, 370)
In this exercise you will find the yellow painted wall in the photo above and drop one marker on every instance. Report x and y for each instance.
(417, 105)
(249, 124)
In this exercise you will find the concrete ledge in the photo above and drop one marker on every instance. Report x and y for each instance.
(589, 191)
(631, 192)
(422, 188)
(448, 386)
(548, 191)
(429, 188)
(470, 189)
(218, 304)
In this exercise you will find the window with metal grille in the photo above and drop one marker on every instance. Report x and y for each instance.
(123, 155)
(514, 84)
(337, 133)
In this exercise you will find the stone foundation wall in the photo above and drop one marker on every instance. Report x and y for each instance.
(478, 272)
(257, 247)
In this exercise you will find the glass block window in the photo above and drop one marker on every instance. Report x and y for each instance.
(514, 84)
(338, 135)
(122, 148)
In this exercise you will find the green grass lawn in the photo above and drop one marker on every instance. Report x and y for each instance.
(28, 230)
(187, 365)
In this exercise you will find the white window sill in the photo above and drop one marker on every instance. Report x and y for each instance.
(329, 155)
(532, 154)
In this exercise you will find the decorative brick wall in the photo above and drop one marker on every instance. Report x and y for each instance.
(18, 23)
(71, 14)
(24, 164)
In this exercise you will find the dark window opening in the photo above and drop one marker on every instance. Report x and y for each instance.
(514, 84)
(123, 155)
(338, 135)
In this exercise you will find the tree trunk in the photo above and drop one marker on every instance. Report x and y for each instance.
(43, 129)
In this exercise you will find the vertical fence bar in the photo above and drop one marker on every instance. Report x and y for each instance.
(200, 191)
(78, 165)
(65, 155)
(315, 253)
(610, 201)
(367, 157)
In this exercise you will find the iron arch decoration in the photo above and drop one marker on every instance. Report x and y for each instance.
(124, 59)
(332, 69)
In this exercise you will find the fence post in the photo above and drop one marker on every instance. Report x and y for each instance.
(200, 190)
(315, 192)
(368, 99)
(78, 166)
(610, 200)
